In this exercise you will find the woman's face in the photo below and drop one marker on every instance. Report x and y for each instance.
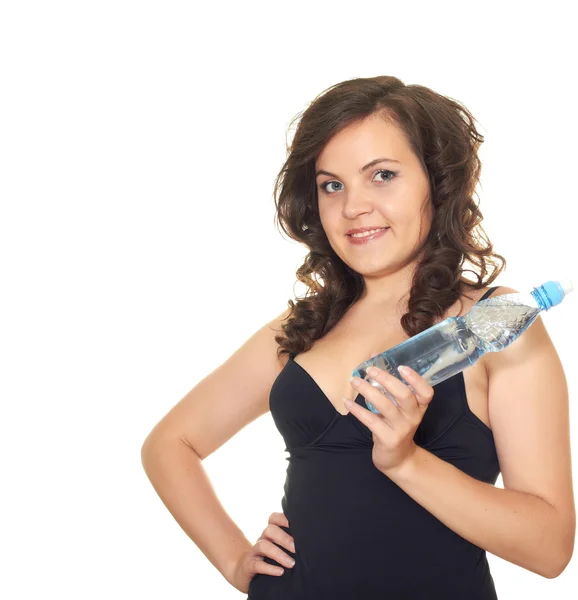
(392, 194)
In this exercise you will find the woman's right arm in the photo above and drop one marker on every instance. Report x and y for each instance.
(218, 407)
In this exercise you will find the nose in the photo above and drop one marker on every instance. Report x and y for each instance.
(356, 203)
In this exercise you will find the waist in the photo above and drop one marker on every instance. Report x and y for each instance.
(353, 512)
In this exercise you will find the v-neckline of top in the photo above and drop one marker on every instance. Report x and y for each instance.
(342, 415)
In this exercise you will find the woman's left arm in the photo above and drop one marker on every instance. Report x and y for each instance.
(532, 521)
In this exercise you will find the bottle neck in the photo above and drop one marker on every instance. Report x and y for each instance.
(542, 298)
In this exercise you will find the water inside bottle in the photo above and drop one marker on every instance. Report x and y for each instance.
(454, 344)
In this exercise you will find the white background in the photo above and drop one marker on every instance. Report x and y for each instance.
(139, 144)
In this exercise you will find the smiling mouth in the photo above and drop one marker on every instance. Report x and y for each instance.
(366, 234)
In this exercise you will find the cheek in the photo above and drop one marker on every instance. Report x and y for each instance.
(329, 218)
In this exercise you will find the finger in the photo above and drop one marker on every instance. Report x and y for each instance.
(372, 421)
(278, 518)
(259, 565)
(276, 534)
(411, 392)
(269, 549)
(392, 384)
(381, 399)
(420, 388)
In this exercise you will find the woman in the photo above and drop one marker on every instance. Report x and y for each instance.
(400, 504)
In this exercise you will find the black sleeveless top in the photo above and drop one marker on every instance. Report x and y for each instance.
(358, 536)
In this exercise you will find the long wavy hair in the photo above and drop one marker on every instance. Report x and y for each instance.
(443, 136)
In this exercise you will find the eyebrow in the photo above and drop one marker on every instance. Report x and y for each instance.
(364, 168)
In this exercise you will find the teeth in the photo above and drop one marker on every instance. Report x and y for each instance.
(366, 233)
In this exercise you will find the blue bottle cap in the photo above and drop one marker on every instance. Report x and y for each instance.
(554, 292)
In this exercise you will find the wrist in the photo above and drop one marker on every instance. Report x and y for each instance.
(231, 566)
(406, 469)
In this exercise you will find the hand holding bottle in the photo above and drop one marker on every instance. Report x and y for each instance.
(395, 425)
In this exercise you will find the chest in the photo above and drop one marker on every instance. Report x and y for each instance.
(331, 359)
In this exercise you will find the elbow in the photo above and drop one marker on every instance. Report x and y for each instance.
(145, 448)
(557, 569)
(148, 450)
(564, 555)
(156, 445)
(561, 566)
(144, 456)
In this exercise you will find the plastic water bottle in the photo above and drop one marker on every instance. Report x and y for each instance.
(456, 343)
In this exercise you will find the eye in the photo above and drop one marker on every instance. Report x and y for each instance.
(323, 186)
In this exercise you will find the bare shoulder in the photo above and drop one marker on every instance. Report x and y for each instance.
(473, 295)
(470, 296)
(230, 397)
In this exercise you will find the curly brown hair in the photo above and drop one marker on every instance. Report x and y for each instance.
(442, 134)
